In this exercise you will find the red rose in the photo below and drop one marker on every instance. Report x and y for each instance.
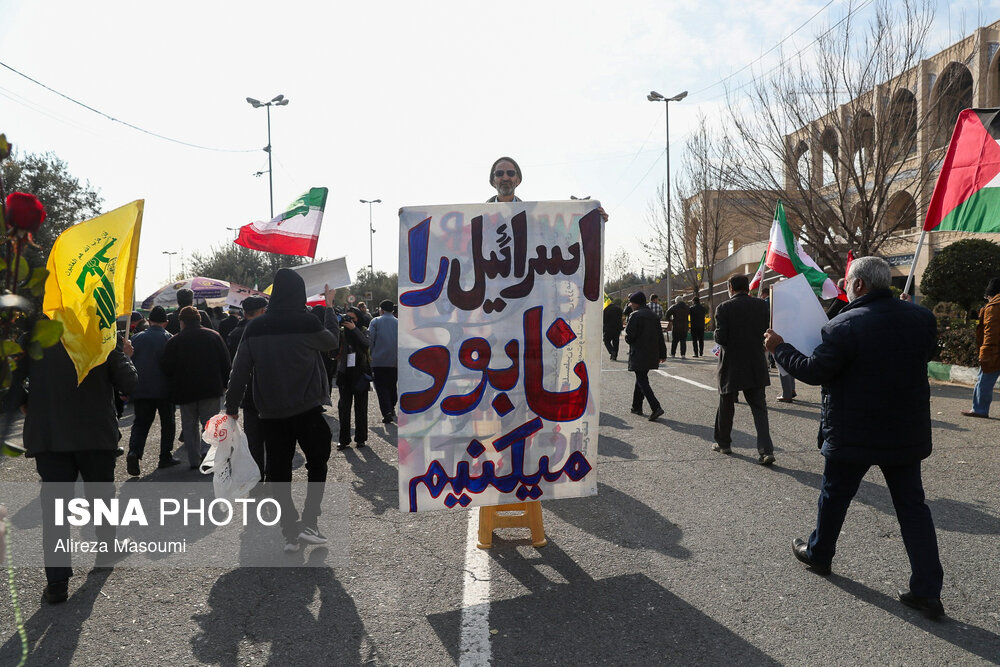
(24, 212)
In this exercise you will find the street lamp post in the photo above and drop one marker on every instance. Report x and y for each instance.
(278, 101)
(656, 97)
(170, 255)
(371, 232)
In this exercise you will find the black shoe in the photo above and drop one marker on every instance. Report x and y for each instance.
(614, 357)
(342, 446)
(719, 448)
(132, 464)
(168, 462)
(386, 419)
(360, 444)
(801, 551)
(656, 414)
(930, 607)
(55, 592)
(119, 452)
(766, 459)
(638, 412)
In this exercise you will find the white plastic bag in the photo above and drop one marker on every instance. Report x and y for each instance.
(236, 473)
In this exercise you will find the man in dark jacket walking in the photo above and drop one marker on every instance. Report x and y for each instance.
(697, 317)
(71, 430)
(740, 324)
(151, 395)
(872, 363)
(185, 297)
(613, 329)
(647, 350)
(281, 353)
(196, 363)
(677, 315)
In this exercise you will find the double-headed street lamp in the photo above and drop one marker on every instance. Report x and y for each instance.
(278, 101)
(371, 232)
(656, 97)
(170, 255)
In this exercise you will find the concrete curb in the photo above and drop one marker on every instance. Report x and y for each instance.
(949, 373)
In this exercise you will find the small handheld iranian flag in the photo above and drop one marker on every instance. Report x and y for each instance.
(786, 256)
(293, 232)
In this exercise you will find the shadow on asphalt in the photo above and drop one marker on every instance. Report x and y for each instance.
(377, 479)
(612, 421)
(272, 606)
(569, 618)
(619, 518)
(616, 448)
(54, 630)
(948, 514)
(967, 637)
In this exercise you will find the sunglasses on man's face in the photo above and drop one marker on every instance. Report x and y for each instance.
(500, 172)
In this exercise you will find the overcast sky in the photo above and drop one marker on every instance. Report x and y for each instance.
(405, 102)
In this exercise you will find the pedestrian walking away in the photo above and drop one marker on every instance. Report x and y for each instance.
(677, 315)
(740, 324)
(151, 396)
(384, 334)
(647, 350)
(872, 365)
(613, 329)
(697, 317)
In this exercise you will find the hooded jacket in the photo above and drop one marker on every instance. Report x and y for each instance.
(282, 351)
(988, 335)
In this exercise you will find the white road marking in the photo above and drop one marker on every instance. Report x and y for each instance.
(474, 648)
(678, 377)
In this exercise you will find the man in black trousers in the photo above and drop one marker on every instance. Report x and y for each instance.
(613, 328)
(697, 316)
(740, 325)
(872, 364)
(647, 350)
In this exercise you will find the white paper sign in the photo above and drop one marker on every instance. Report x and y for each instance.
(500, 327)
(796, 314)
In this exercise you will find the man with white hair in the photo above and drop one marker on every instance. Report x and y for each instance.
(872, 363)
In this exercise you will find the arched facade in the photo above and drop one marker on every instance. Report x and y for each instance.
(952, 93)
(901, 213)
(902, 124)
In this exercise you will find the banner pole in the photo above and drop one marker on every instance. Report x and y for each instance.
(913, 265)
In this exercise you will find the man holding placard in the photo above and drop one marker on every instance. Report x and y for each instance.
(872, 363)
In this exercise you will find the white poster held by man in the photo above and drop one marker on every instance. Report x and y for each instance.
(796, 314)
(500, 327)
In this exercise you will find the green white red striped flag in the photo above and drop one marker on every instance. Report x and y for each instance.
(967, 194)
(758, 275)
(293, 232)
(785, 256)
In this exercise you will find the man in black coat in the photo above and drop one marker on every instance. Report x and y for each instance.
(697, 316)
(253, 307)
(185, 297)
(647, 350)
(196, 363)
(740, 324)
(872, 363)
(613, 329)
(677, 315)
(71, 430)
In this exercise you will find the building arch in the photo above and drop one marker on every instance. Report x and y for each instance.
(862, 141)
(901, 213)
(830, 145)
(800, 160)
(902, 125)
(993, 81)
(952, 93)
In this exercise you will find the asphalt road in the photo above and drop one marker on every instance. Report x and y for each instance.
(683, 557)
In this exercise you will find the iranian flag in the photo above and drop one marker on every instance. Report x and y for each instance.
(967, 194)
(294, 232)
(758, 275)
(786, 256)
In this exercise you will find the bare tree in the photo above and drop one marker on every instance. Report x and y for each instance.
(834, 136)
(657, 246)
(619, 268)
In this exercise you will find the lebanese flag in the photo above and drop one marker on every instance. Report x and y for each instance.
(293, 232)
(967, 194)
(786, 256)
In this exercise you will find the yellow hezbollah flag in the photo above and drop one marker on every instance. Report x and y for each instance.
(607, 300)
(91, 280)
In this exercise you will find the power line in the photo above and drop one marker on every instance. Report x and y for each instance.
(770, 50)
(125, 123)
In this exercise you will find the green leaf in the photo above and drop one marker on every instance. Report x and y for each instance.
(9, 348)
(23, 268)
(36, 283)
(35, 351)
(47, 332)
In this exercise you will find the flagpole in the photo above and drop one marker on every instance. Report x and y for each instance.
(913, 264)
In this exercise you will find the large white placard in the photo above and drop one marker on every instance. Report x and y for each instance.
(796, 314)
(499, 353)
